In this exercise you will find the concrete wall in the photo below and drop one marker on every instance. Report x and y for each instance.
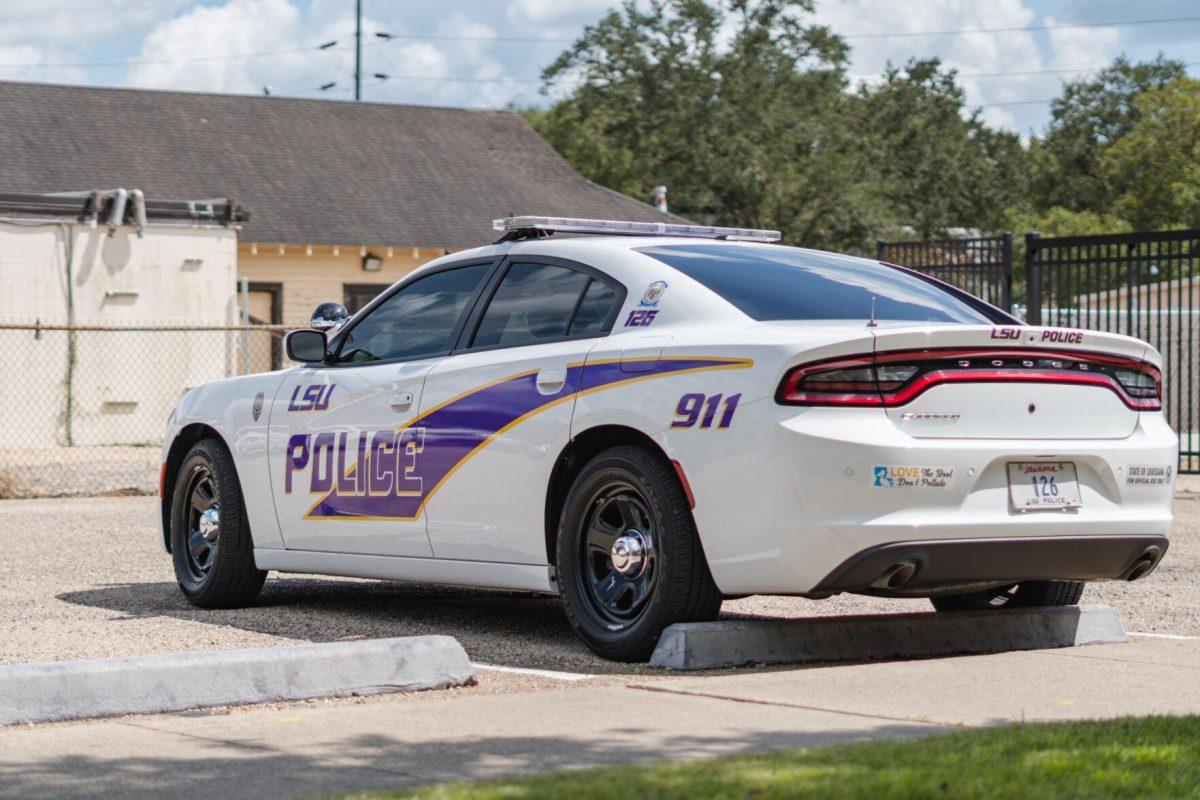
(123, 384)
(310, 279)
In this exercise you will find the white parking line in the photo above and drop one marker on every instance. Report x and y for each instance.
(1161, 635)
(541, 673)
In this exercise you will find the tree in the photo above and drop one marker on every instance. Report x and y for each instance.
(738, 106)
(1153, 171)
(1091, 115)
(940, 166)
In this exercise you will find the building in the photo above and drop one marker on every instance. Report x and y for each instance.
(88, 282)
(344, 198)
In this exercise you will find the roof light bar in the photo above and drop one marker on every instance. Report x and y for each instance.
(618, 228)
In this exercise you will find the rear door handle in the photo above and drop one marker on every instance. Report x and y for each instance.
(402, 401)
(550, 381)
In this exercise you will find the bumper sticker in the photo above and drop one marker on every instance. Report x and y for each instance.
(903, 476)
(1148, 475)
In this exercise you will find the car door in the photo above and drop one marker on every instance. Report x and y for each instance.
(346, 435)
(498, 412)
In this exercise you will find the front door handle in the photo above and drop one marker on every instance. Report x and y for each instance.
(550, 381)
(402, 401)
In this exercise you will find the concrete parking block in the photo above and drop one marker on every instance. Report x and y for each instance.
(732, 643)
(150, 684)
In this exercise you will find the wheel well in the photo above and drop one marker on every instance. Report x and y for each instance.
(578, 452)
(184, 440)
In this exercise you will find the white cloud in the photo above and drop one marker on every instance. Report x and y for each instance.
(216, 37)
(555, 12)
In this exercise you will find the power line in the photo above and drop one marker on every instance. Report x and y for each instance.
(1021, 29)
(330, 47)
(1045, 71)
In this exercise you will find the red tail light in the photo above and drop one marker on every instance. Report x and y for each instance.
(895, 378)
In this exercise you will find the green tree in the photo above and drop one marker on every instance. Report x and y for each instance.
(1091, 115)
(940, 166)
(738, 106)
(1153, 171)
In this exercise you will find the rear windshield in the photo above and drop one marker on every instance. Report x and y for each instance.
(786, 283)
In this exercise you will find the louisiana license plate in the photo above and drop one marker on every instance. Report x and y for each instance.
(1043, 484)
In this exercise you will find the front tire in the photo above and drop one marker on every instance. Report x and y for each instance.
(211, 545)
(1031, 594)
(629, 560)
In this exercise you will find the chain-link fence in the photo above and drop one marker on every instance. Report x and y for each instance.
(85, 407)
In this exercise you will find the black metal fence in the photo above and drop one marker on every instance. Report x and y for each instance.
(1145, 285)
(981, 266)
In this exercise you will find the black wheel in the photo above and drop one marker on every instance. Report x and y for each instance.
(1019, 595)
(210, 536)
(629, 561)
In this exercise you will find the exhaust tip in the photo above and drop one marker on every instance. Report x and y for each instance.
(896, 575)
(1144, 564)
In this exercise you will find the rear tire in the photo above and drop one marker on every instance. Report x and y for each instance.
(1031, 594)
(628, 558)
(211, 545)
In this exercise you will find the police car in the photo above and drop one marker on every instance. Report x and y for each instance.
(645, 418)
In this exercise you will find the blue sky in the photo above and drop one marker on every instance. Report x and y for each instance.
(489, 52)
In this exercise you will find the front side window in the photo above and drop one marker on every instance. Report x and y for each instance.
(534, 303)
(786, 283)
(419, 320)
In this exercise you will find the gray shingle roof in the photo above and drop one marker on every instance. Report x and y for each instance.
(308, 171)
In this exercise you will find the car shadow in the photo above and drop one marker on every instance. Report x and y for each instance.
(509, 628)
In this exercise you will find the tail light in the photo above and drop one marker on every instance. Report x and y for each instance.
(895, 378)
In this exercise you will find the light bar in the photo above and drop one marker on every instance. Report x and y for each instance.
(619, 228)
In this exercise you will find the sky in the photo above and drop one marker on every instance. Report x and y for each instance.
(489, 53)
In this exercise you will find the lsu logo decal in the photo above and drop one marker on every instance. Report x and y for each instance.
(313, 398)
(654, 293)
(640, 317)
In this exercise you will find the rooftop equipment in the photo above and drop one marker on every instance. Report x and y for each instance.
(518, 228)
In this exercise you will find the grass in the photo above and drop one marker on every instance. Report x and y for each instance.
(1129, 757)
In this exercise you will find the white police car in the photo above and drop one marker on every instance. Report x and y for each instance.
(649, 419)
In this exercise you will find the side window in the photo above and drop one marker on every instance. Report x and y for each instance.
(595, 310)
(419, 320)
(534, 303)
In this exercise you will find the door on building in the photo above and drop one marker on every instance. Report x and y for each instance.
(357, 295)
(497, 413)
(346, 434)
(265, 307)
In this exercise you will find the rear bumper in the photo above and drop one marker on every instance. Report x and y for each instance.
(923, 568)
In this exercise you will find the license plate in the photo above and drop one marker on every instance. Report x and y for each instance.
(1043, 484)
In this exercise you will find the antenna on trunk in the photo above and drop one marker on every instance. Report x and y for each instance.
(871, 323)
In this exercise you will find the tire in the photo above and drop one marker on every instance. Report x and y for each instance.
(632, 494)
(1030, 594)
(214, 561)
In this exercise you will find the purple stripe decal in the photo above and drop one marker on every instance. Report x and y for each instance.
(440, 440)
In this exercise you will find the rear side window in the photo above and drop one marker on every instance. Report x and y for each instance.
(534, 303)
(595, 310)
(786, 283)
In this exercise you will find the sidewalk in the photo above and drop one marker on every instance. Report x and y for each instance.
(304, 750)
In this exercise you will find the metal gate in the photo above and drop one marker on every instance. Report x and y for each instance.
(1145, 285)
(981, 266)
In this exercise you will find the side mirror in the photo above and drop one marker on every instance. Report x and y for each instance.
(306, 346)
(328, 316)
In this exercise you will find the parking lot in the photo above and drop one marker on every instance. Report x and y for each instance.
(87, 578)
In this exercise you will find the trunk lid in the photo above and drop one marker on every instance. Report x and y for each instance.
(1011, 382)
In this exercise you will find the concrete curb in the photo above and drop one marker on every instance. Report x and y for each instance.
(50, 691)
(733, 643)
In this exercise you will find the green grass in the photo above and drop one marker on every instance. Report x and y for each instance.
(1131, 757)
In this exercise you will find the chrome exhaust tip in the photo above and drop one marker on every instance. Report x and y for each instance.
(896, 575)
(1144, 564)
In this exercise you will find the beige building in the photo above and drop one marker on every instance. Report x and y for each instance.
(86, 296)
(343, 198)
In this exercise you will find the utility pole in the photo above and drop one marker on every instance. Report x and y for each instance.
(358, 49)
